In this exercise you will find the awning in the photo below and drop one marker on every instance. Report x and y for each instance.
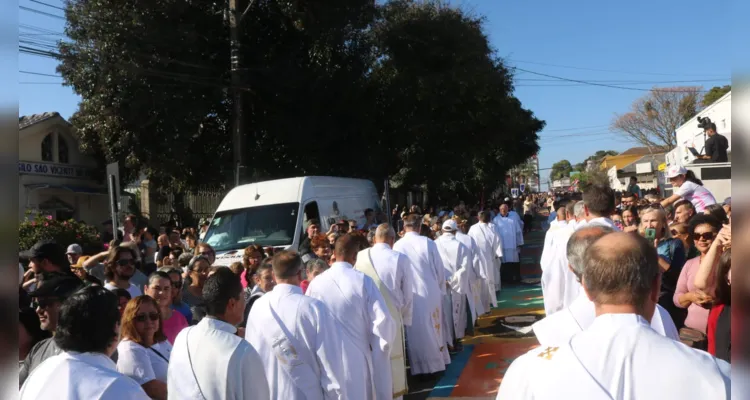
(71, 188)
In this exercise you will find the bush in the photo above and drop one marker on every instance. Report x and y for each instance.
(65, 233)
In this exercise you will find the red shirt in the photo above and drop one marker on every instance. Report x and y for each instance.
(304, 284)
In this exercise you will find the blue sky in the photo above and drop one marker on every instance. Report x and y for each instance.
(635, 44)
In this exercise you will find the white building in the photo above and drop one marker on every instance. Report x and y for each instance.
(689, 135)
(55, 178)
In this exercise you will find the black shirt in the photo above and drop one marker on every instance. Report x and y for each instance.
(716, 148)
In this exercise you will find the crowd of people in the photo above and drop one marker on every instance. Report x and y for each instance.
(152, 316)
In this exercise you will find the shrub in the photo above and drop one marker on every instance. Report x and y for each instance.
(65, 233)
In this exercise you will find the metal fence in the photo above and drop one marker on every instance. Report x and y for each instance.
(201, 203)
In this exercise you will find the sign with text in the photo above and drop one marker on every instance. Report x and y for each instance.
(49, 169)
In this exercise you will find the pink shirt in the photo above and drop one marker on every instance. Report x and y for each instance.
(696, 194)
(697, 317)
(174, 325)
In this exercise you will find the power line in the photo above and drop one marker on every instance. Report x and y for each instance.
(40, 74)
(624, 82)
(41, 12)
(40, 83)
(599, 84)
(574, 129)
(47, 4)
(601, 70)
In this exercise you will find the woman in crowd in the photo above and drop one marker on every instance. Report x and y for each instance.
(689, 188)
(630, 219)
(29, 331)
(681, 231)
(192, 290)
(205, 250)
(617, 219)
(718, 212)
(671, 259)
(321, 246)
(251, 259)
(313, 268)
(143, 353)
(160, 289)
(717, 264)
(703, 229)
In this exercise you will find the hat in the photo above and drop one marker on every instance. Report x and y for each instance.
(79, 263)
(45, 249)
(675, 170)
(727, 201)
(57, 285)
(74, 249)
(450, 226)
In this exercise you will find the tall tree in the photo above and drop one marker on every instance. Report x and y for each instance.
(596, 157)
(561, 169)
(655, 117)
(714, 94)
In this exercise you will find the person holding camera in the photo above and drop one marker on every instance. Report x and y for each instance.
(716, 145)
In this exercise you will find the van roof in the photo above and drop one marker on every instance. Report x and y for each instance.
(293, 190)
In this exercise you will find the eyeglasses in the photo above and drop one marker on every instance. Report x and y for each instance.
(124, 262)
(705, 236)
(43, 303)
(144, 317)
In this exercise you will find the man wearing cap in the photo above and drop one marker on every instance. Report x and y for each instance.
(74, 252)
(455, 258)
(716, 145)
(45, 256)
(53, 290)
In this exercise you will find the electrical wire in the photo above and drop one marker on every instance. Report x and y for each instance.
(47, 4)
(41, 12)
(600, 70)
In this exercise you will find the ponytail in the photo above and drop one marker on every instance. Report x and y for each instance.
(690, 176)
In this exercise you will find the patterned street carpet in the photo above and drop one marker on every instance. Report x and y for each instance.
(500, 336)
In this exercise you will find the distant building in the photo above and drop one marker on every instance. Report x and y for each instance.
(689, 135)
(55, 178)
(637, 161)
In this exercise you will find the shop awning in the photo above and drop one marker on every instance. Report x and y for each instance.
(71, 188)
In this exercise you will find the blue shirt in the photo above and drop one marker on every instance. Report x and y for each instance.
(184, 309)
(552, 217)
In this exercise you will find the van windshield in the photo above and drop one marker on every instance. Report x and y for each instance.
(271, 225)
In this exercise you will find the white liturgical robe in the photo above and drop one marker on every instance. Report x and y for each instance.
(517, 218)
(210, 361)
(548, 242)
(559, 285)
(512, 237)
(455, 258)
(427, 352)
(557, 329)
(618, 357)
(395, 271)
(310, 333)
(355, 301)
(598, 221)
(490, 249)
(80, 376)
(475, 281)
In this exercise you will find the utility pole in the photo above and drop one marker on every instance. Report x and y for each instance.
(237, 90)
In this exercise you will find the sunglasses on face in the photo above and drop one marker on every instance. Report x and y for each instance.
(144, 317)
(125, 262)
(43, 303)
(705, 236)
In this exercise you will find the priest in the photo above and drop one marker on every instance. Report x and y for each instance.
(554, 263)
(392, 273)
(475, 281)
(455, 258)
(490, 249)
(367, 327)
(427, 350)
(512, 236)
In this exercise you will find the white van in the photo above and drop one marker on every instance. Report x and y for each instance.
(275, 213)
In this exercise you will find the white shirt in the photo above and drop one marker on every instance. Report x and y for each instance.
(80, 376)
(226, 366)
(142, 364)
(598, 221)
(316, 337)
(557, 329)
(134, 290)
(394, 270)
(696, 194)
(355, 301)
(618, 357)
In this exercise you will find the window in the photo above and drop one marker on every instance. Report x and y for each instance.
(62, 150)
(271, 225)
(47, 148)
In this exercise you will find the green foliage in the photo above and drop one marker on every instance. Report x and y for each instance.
(714, 94)
(42, 227)
(561, 169)
(596, 157)
(401, 89)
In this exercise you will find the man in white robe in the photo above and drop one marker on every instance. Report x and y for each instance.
(554, 264)
(619, 356)
(367, 327)
(556, 330)
(455, 258)
(475, 266)
(598, 206)
(425, 346)
(512, 236)
(490, 249)
(392, 273)
(209, 360)
(298, 339)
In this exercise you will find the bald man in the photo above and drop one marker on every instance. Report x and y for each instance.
(557, 329)
(619, 356)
